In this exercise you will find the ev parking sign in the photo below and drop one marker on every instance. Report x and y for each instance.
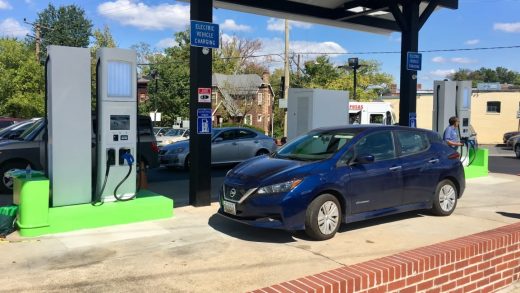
(204, 121)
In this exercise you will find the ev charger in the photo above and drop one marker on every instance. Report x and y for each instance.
(69, 125)
(463, 110)
(116, 124)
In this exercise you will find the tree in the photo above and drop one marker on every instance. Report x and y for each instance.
(499, 74)
(21, 81)
(65, 26)
(235, 56)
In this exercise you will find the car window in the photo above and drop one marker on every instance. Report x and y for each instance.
(376, 118)
(227, 135)
(379, 144)
(412, 142)
(244, 133)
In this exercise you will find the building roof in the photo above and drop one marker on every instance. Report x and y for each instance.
(240, 84)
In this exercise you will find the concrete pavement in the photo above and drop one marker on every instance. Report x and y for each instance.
(198, 251)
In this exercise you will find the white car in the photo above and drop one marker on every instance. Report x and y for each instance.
(173, 135)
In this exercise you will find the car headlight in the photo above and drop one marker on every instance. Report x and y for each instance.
(280, 187)
(175, 150)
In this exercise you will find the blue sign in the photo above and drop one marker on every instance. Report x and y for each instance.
(204, 121)
(413, 61)
(204, 34)
(412, 120)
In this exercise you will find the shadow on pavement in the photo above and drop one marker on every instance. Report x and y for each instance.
(249, 233)
(510, 215)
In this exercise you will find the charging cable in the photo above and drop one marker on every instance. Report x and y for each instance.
(130, 161)
(98, 201)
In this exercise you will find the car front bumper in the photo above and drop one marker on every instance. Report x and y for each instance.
(173, 160)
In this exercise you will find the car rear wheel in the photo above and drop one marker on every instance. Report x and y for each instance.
(187, 162)
(445, 199)
(7, 183)
(517, 151)
(323, 217)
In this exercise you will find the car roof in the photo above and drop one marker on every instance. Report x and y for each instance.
(368, 127)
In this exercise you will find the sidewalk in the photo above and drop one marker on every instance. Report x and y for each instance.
(198, 251)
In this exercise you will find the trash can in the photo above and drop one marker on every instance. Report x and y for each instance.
(33, 201)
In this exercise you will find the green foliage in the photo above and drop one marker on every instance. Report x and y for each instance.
(102, 39)
(500, 74)
(65, 26)
(21, 81)
(235, 57)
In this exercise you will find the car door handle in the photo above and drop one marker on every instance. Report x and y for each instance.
(433, 161)
(396, 168)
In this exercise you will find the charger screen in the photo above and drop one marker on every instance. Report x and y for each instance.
(119, 122)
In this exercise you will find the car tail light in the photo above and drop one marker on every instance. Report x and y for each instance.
(155, 148)
(454, 156)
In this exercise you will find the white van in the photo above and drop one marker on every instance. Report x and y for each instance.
(371, 113)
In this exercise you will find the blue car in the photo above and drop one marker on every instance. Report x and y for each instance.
(344, 174)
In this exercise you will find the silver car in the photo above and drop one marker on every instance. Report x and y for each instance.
(228, 145)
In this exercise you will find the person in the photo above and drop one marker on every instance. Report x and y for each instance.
(451, 135)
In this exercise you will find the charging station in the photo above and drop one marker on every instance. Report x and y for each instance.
(117, 125)
(65, 201)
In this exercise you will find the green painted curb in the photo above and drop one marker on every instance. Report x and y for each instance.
(147, 206)
(479, 167)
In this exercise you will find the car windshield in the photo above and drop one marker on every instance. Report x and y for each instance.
(28, 133)
(316, 145)
(7, 130)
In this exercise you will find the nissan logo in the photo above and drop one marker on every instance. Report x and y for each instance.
(232, 192)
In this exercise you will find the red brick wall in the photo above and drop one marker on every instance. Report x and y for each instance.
(483, 262)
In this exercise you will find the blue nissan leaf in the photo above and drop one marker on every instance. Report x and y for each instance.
(344, 174)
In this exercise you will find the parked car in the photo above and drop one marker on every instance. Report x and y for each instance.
(346, 174)
(173, 135)
(15, 130)
(228, 145)
(509, 134)
(515, 144)
(29, 149)
(8, 121)
(510, 143)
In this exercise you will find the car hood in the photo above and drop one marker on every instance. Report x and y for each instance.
(266, 170)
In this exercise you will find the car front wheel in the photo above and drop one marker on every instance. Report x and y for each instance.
(7, 182)
(445, 199)
(323, 217)
(517, 151)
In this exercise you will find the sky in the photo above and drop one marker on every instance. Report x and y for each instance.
(476, 24)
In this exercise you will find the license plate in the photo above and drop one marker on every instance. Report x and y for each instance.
(229, 207)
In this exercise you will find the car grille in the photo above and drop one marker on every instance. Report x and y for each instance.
(239, 193)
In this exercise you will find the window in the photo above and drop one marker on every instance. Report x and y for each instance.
(260, 98)
(248, 119)
(376, 118)
(380, 145)
(268, 97)
(493, 107)
(243, 133)
(227, 135)
(259, 117)
(412, 142)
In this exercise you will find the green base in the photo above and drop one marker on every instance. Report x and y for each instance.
(147, 206)
(479, 166)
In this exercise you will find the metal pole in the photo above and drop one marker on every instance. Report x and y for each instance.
(155, 101)
(286, 74)
(355, 82)
(200, 144)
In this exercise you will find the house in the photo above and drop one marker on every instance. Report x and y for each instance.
(244, 98)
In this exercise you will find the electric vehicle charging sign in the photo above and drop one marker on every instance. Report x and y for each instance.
(204, 121)
(204, 34)
(413, 61)
(412, 120)
(204, 95)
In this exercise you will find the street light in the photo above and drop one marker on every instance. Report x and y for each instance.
(353, 63)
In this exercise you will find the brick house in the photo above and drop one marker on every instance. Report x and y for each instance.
(243, 98)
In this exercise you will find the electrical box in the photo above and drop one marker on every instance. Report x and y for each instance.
(69, 125)
(116, 123)
(444, 100)
(312, 108)
(463, 110)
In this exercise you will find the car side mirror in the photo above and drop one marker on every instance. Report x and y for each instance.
(218, 139)
(365, 159)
